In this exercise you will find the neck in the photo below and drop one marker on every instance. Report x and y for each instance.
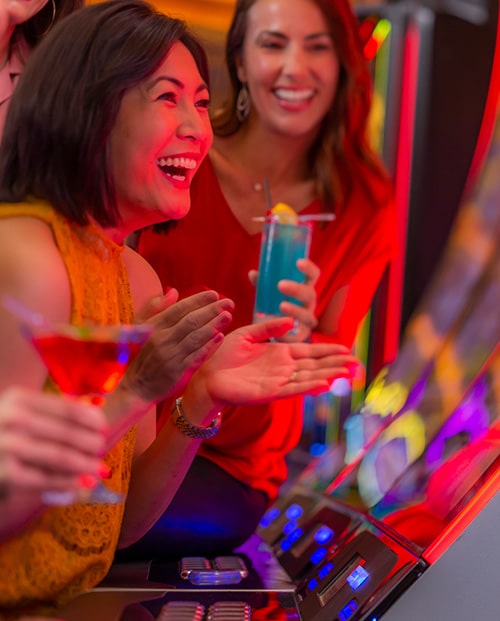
(282, 161)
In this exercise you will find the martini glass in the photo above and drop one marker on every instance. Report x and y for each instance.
(86, 361)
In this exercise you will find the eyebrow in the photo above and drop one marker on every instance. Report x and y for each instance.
(175, 82)
(280, 35)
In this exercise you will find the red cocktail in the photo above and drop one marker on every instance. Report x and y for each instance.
(86, 361)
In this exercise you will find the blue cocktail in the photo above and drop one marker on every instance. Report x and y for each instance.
(282, 245)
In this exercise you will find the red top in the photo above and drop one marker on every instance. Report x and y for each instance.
(210, 249)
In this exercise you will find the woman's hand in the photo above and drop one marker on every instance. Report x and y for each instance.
(186, 333)
(303, 312)
(47, 442)
(248, 369)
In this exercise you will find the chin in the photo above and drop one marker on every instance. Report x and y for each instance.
(177, 212)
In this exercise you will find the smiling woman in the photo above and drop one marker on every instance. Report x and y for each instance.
(296, 115)
(102, 138)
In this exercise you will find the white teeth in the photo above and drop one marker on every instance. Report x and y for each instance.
(294, 95)
(177, 162)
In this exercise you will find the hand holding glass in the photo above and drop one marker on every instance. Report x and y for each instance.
(282, 245)
(86, 361)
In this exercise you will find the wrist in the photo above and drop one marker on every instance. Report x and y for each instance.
(200, 432)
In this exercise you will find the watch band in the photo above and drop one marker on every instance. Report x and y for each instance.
(194, 431)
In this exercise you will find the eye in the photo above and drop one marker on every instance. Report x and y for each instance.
(168, 96)
(203, 103)
(321, 45)
(270, 42)
(271, 45)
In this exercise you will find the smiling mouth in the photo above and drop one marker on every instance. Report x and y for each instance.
(294, 96)
(176, 167)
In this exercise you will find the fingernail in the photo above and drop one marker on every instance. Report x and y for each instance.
(104, 471)
(87, 481)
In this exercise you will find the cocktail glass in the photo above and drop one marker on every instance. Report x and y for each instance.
(86, 361)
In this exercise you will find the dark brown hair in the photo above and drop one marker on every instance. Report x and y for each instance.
(55, 143)
(341, 156)
(37, 26)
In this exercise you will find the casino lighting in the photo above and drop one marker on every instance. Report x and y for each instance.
(373, 33)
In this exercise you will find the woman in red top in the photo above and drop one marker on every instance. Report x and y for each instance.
(297, 117)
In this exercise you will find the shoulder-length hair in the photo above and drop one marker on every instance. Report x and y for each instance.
(56, 139)
(341, 158)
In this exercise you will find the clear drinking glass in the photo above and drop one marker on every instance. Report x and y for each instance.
(281, 247)
(86, 361)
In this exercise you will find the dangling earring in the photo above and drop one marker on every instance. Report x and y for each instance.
(243, 103)
(53, 4)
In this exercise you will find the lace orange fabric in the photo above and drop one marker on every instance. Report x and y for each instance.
(70, 549)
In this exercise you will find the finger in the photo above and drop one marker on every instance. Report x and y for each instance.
(59, 420)
(310, 269)
(47, 454)
(21, 403)
(300, 314)
(36, 479)
(321, 350)
(252, 277)
(265, 330)
(157, 304)
(184, 308)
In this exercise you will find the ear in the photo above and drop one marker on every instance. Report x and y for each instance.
(21, 11)
(240, 70)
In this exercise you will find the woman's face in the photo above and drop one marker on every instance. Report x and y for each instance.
(161, 135)
(290, 65)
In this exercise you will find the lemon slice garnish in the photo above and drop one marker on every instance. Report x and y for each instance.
(284, 213)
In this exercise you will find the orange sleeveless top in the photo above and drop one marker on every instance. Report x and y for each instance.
(68, 550)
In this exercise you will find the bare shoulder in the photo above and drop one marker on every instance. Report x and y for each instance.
(144, 281)
(31, 266)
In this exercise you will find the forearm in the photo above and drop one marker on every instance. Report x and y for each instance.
(123, 409)
(159, 471)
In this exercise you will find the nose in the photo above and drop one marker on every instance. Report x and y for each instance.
(295, 61)
(191, 125)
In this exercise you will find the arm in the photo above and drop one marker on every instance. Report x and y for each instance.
(246, 369)
(31, 271)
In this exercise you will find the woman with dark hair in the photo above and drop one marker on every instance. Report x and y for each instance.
(297, 117)
(23, 23)
(107, 126)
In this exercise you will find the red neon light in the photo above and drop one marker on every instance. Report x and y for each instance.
(491, 110)
(402, 183)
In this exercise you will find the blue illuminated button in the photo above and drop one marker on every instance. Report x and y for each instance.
(294, 512)
(312, 584)
(325, 570)
(348, 611)
(323, 534)
(289, 527)
(318, 555)
(357, 578)
(269, 517)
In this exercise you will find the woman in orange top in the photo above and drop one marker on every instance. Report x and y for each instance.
(102, 138)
